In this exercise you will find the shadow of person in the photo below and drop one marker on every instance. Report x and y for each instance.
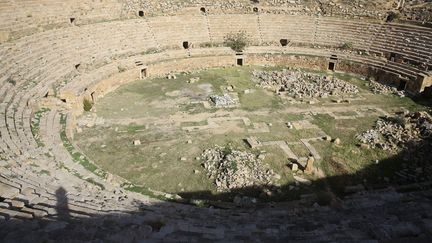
(62, 204)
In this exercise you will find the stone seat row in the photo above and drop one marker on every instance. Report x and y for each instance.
(26, 178)
(379, 39)
(53, 56)
(416, 39)
(20, 186)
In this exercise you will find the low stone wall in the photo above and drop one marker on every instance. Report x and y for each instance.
(353, 67)
(172, 62)
(158, 69)
(155, 70)
(296, 61)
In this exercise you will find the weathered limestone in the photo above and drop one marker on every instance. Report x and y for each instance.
(8, 191)
(42, 50)
(4, 36)
(233, 169)
(253, 142)
(310, 166)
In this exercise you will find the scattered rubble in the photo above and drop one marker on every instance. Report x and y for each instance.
(369, 137)
(294, 167)
(193, 80)
(90, 120)
(298, 84)
(289, 125)
(379, 88)
(410, 135)
(223, 100)
(232, 169)
(394, 133)
(171, 76)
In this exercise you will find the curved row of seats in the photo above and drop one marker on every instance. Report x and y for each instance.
(32, 175)
(34, 64)
(98, 43)
(25, 17)
(31, 16)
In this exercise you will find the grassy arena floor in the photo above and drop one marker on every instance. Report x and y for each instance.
(157, 110)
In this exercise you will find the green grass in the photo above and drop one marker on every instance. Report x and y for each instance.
(76, 155)
(134, 128)
(146, 96)
(87, 104)
(348, 158)
(44, 172)
(35, 125)
(260, 99)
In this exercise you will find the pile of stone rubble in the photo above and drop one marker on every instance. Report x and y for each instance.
(410, 135)
(299, 84)
(394, 133)
(223, 100)
(232, 169)
(371, 137)
(379, 88)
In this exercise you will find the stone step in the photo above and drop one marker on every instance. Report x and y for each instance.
(8, 213)
(37, 213)
(7, 191)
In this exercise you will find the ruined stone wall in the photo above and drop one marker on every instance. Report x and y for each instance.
(174, 61)
(353, 67)
(163, 66)
(424, 82)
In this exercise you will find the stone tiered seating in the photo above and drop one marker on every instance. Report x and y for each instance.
(221, 25)
(83, 54)
(297, 29)
(380, 219)
(376, 37)
(411, 42)
(335, 32)
(29, 15)
(174, 30)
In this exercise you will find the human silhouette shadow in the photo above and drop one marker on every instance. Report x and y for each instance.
(391, 210)
(62, 205)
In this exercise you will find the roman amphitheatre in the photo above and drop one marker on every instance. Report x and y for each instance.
(215, 121)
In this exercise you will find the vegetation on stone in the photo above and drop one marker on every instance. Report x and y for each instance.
(237, 41)
(347, 46)
(87, 105)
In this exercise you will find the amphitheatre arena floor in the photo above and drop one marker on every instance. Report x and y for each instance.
(175, 121)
